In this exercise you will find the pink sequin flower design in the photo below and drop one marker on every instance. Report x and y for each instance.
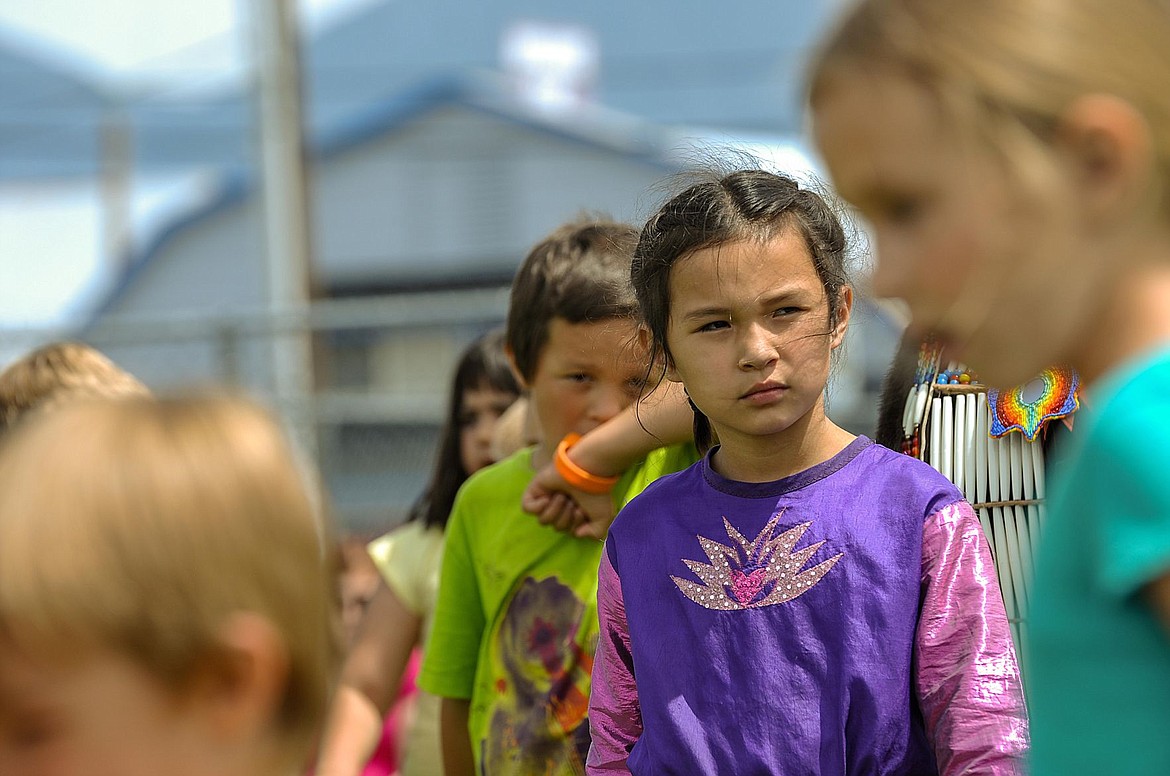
(762, 572)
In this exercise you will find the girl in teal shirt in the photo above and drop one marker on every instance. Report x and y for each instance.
(1013, 160)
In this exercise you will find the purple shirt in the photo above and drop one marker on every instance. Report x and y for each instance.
(843, 620)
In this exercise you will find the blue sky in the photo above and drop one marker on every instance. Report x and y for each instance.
(50, 231)
(146, 39)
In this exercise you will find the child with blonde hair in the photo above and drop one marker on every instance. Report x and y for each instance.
(166, 596)
(60, 371)
(1013, 159)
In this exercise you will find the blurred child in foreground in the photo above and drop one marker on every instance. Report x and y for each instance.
(1013, 159)
(58, 372)
(166, 605)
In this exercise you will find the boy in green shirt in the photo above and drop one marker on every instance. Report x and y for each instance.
(515, 627)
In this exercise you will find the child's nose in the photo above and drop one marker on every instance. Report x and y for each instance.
(608, 401)
(894, 271)
(484, 427)
(758, 349)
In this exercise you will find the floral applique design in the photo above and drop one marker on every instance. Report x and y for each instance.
(762, 572)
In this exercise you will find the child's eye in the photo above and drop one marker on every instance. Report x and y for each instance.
(467, 420)
(500, 408)
(33, 732)
(713, 326)
(578, 377)
(903, 210)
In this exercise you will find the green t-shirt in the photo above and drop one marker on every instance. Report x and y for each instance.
(515, 628)
(1099, 669)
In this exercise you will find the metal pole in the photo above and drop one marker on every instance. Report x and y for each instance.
(286, 210)
(116, 172)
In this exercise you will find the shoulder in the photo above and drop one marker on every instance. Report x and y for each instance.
(663, 493)
(899, 479)
(489, 497)
(406, 553)
(1133, 407)
(659, 463)
(671, 484)
(671, 459)
(1120, 444)
(1145, 378)
(408, 536)
(500, 480)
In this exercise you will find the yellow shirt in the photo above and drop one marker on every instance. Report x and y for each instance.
(409, 558)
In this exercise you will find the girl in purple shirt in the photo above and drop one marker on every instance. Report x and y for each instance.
(801, 601)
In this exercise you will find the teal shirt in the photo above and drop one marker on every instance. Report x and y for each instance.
(1099, 668)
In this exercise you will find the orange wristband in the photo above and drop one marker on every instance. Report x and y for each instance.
(574, 474)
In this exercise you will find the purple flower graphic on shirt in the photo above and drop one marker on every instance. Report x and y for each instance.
(542, 657)
(761, 572)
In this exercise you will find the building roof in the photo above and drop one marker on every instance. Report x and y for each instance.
(593, 127)
(50, 113)
(672, 63)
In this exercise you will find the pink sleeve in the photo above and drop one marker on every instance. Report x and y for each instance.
(615, 718)
(967, 679)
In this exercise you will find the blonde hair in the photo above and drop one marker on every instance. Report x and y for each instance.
(141, 526)
(515, 430)
(60, 371)
(1009, 69)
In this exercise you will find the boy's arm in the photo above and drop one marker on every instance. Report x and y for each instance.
(967, 678)
(351, 734)
(456, 744)
(615, 716)
(662, 417)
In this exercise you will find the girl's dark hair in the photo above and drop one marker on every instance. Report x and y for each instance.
(898, 381)
(743, 205)
(483, 365)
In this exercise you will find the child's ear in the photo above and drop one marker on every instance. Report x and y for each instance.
(241, 685)
(508, 352)
(1109, 144)
(646, 342)
(844, 310)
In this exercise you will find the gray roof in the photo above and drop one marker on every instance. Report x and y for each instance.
(637, 140)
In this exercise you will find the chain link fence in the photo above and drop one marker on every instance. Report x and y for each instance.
(371, 410)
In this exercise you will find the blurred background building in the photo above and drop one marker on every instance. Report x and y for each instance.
(442, 139)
